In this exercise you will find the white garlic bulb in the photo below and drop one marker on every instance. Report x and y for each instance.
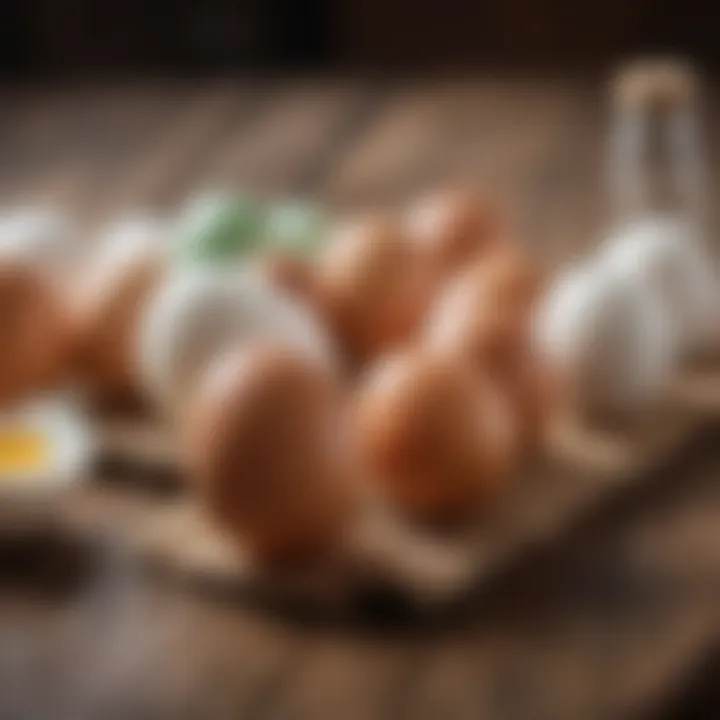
(610, 339)
(198, 313)
(664, 253)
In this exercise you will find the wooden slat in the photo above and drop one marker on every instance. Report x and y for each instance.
(277, 150)
(214, 661)
(342, 676)
(103, 137)
(38, 138)
(125, 649)
(163, 177)
(156, 171)
(128, 147)
(397, 148)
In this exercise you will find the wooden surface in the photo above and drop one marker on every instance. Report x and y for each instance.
(612, 624)
(576, 470)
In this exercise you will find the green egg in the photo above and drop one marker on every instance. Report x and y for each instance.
(219, 228)
(295, 226)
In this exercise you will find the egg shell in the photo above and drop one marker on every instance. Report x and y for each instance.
(373, 286)
(265, 453)
(666, 254)
(116, 284)
(609, 339)
(485, 314)
(436, 438)
(535, 393)
(41, 236)
(197, 314)
(485, 311)
(291, 274)
(35, 332)
(454, 226)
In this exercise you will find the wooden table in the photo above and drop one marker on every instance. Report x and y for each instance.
(613, 623)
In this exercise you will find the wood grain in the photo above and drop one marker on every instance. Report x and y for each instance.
(608, 627)
(277, 149)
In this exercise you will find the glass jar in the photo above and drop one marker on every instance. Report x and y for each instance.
(656, 155)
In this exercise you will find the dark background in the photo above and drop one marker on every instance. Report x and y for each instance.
(87, 37)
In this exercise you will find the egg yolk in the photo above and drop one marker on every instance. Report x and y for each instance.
(23, 450)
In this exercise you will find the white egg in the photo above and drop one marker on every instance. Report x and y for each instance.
(128, 237)
(610, 339)
(123, 245)
(39, 235)
(664, 253)
(197, 314)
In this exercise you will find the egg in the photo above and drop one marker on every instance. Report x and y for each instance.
(373, 285)
(535, 393)
(34, 332)
(485, 314)
(46, 444)
(265, 452)
(41, 236)
(435, 437)
(453, 226)
(609, 339)
(112, 293)
(197, 314)
(485, 311)
(294, 275)
(665, 253)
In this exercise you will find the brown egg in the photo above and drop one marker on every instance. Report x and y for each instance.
(374, 286)
(290, 273)
(438, 440)
(266, 450)
(35, 332)
(108, 308)
(485, 311)
(454, 226)
(485, 314)
(535, 393)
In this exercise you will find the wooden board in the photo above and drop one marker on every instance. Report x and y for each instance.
(578, 471)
